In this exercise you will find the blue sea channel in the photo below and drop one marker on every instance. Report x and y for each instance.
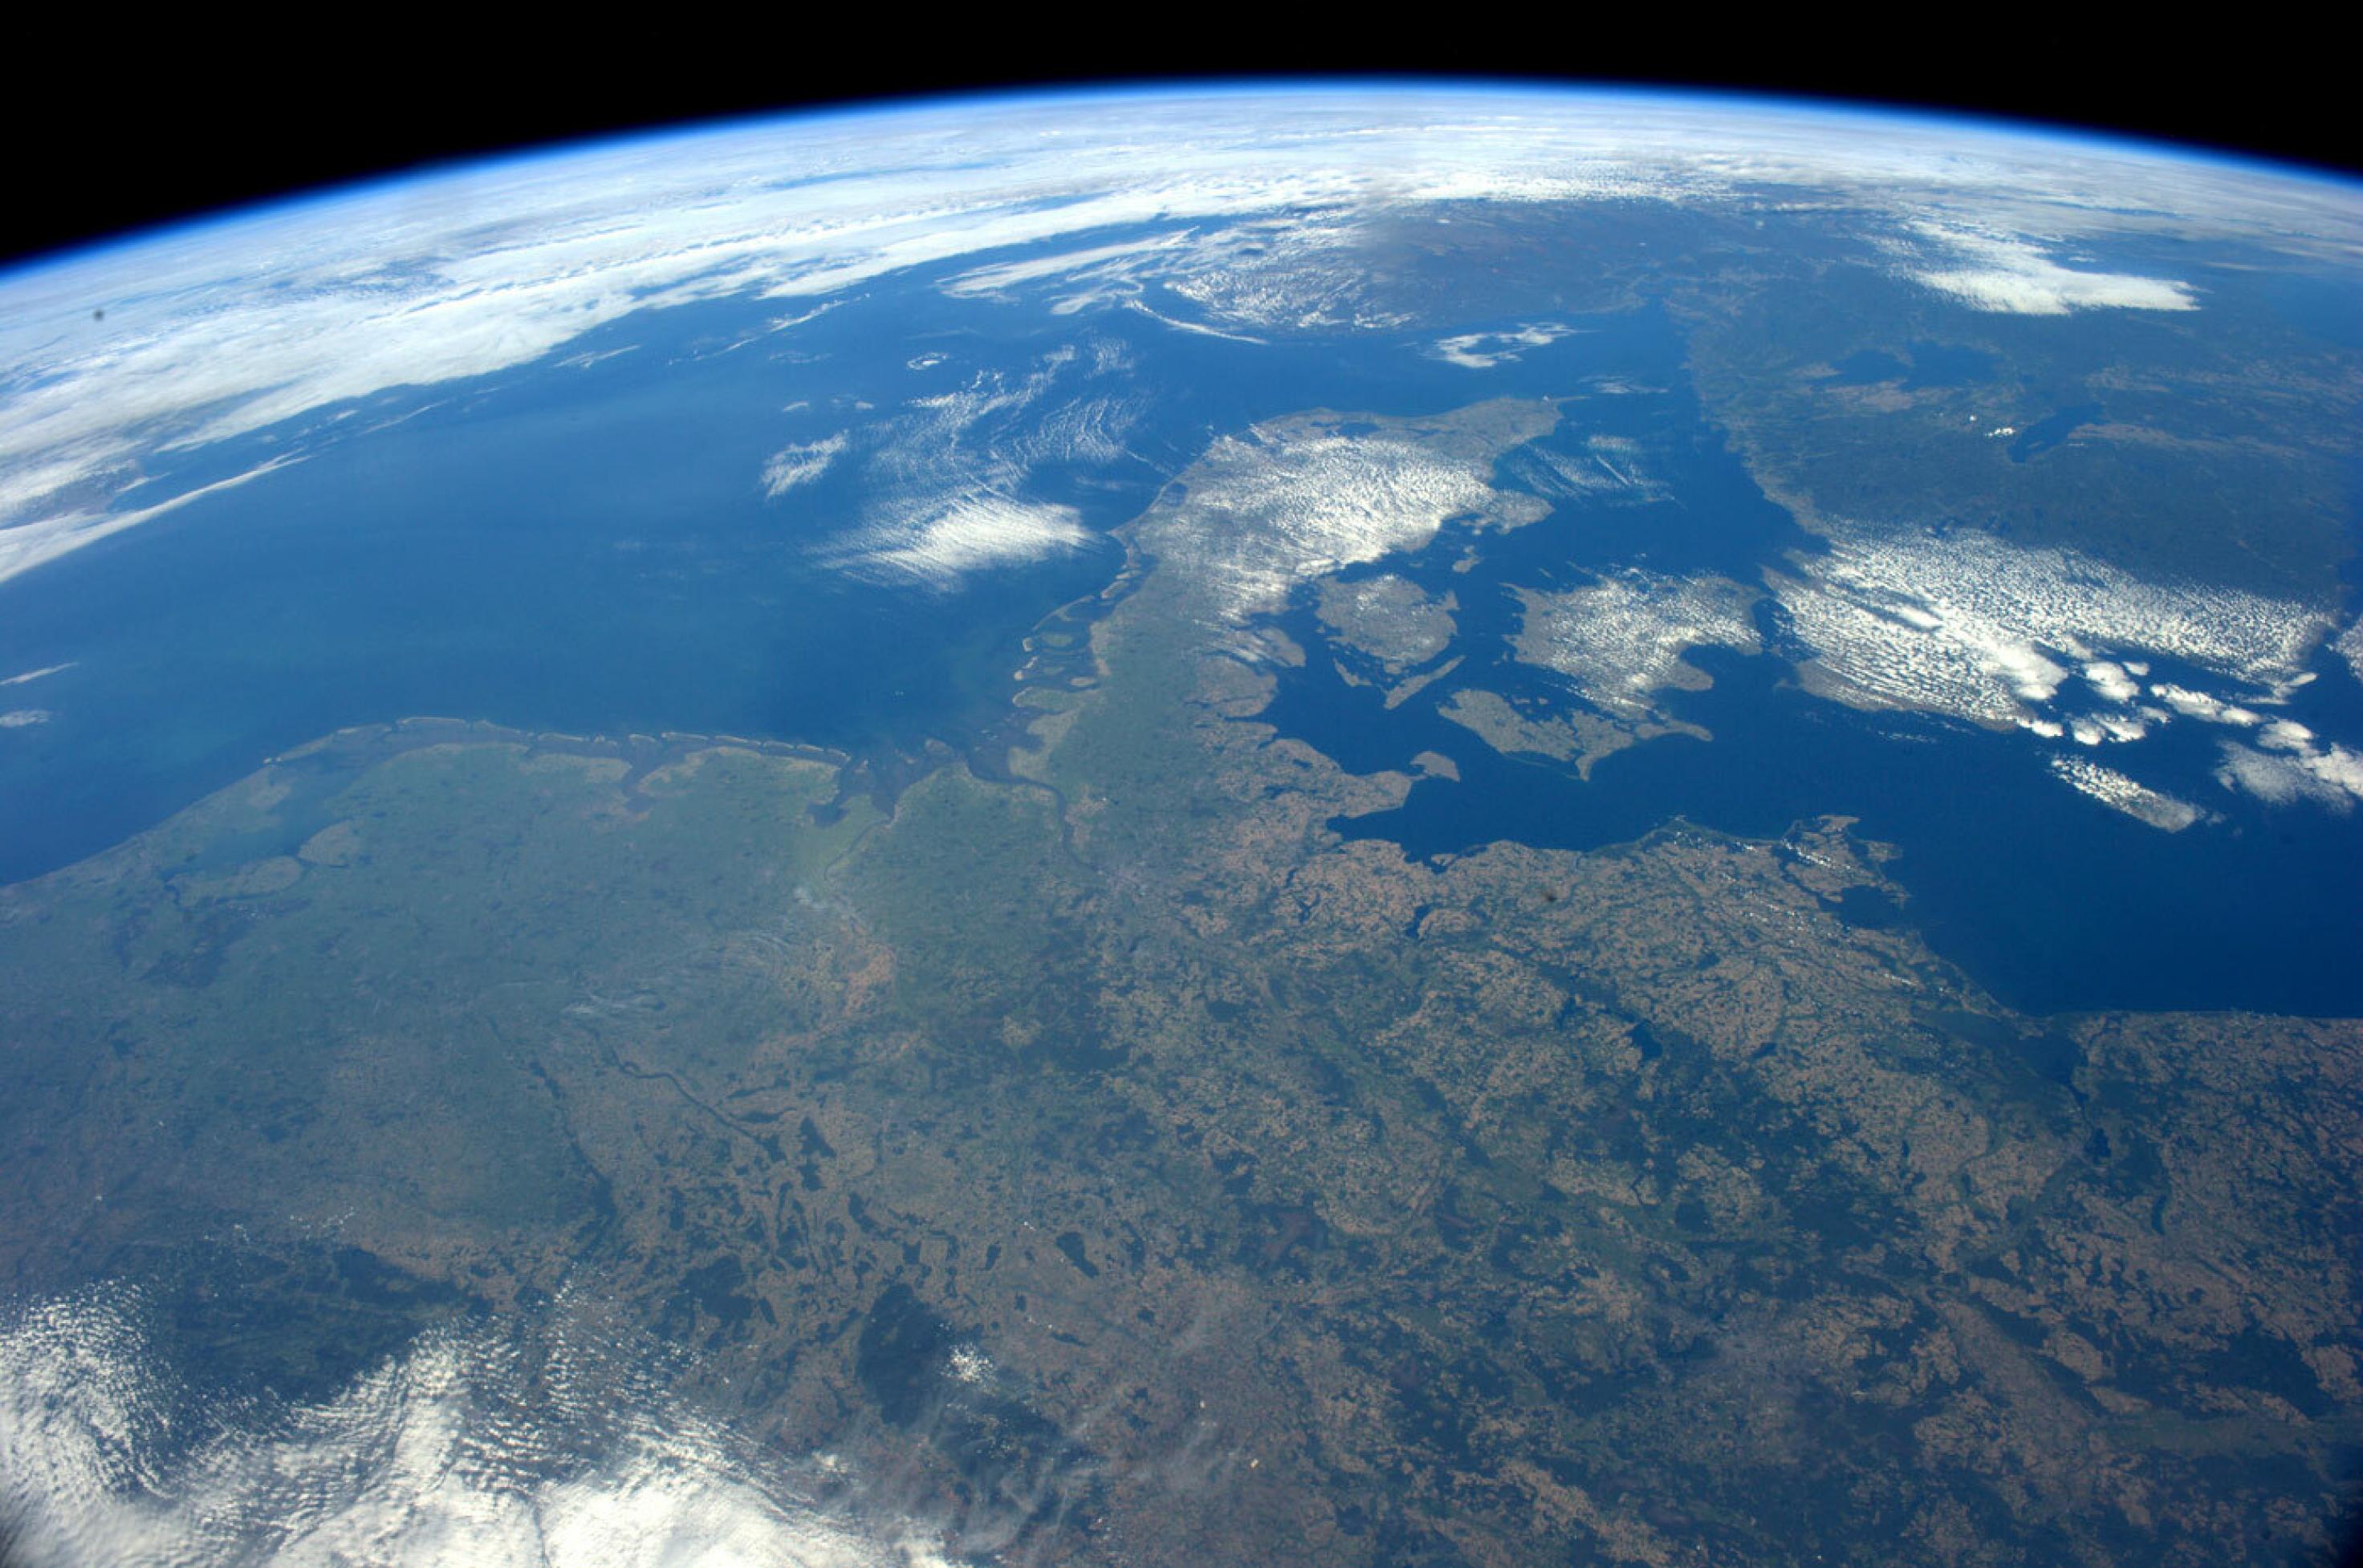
(584, 544)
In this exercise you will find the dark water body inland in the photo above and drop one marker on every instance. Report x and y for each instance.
(1869, 368)
(2049, 432)
(1924, 365)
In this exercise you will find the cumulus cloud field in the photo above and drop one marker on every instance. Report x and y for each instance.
(2062, 645)
(1967, 624)
(1265, 517)
(944, 486)
(2058, 645)
(554, 1444)
(1623, 638)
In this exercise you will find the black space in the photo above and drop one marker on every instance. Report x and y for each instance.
(119, 133)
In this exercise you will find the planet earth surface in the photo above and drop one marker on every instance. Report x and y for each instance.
(1354, 826)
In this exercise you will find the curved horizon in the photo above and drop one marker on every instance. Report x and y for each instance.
(1991, 123)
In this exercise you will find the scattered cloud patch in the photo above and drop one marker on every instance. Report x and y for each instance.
(801, 464)
(2203, 706)
(1483, 351)
(2118, 793)
(2010, 276)
(2285, 735)
(1295, 275)
(1254, 274)
(972, 533)
(584, 361)
(2350, 646)
(2326, 776)
(1268, 511)
(1200, 328)
(2094, 729)
(943, 476)
(1967, 624)
(1610, 469)
(1096, 271)
(22, 718)
(797, 318)
(2112, 680)
(1621, 640)
(973, 1366)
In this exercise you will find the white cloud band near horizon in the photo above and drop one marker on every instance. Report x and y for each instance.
(228, 329)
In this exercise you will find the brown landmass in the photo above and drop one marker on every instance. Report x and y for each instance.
(1311, 1204)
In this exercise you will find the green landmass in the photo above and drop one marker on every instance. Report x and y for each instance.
(1665, 1204)
(1390, 619)
(1571, 736)
(2222, 456)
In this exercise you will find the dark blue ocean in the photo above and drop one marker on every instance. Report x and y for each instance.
(2046, 897)
(584, 546)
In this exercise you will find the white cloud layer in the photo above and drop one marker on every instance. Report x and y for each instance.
(558, 1446)
(1266, 512)
(2350, 648)
(1611, 470)
(972, 533)
(28, 545)
(2005, 274)
(1623, 638)
(2137, 799)
(793, 465)
(224, 329)
(1483, 351)
(1972, 625)
(2329, 776)
(943, 476)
